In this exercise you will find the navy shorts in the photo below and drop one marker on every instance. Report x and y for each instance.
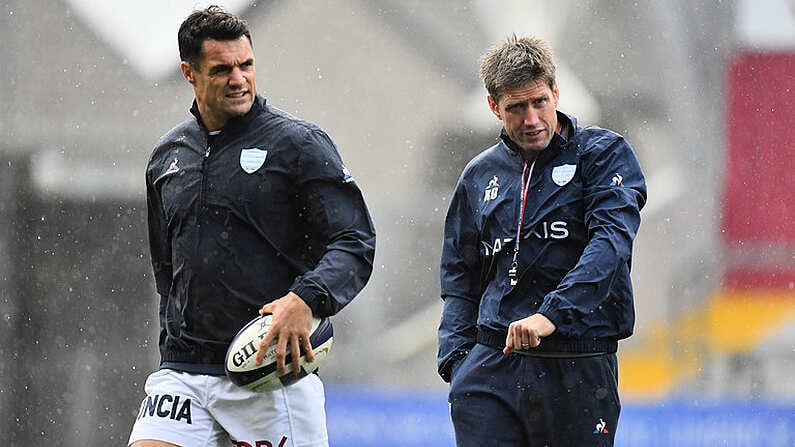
(522, 400)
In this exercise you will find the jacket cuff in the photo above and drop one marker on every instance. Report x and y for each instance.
(446, 369)
(549, 308)
(314, 297)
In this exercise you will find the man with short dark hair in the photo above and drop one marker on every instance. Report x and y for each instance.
(250, 211)
(535, 267)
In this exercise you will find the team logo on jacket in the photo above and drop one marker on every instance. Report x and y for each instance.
(346, 175)
(252, 159)
(563, 174)
(172, 168)
(492, 189)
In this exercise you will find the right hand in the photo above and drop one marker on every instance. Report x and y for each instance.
(527, 333)
(292, 322)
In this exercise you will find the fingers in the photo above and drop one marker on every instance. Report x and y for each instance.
(266, 309)
(286, 340)
(521, 337)
(295, 354)
(295, 344)
(306, 345)
(281, 353)
(263, 347)
(509, 340)
(290, 327)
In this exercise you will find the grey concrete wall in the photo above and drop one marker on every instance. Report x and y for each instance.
(80, 329)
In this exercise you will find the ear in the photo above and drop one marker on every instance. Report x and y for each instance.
(187, 72)
(495, 108)
(556, 93)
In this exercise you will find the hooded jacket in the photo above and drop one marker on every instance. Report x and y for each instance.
(239, 218)
(581, 215)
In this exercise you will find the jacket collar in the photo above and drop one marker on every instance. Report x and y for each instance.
(237, 123)
(558, 143)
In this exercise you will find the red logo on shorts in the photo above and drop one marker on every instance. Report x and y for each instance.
(260, 443)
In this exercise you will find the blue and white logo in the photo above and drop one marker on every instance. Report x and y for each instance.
(563, 174)
(252, 159)
(346, 175)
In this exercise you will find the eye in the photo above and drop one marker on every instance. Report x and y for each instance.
(219, 69)
(515, 108)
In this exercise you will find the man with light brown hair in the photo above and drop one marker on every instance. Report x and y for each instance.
(535, 267)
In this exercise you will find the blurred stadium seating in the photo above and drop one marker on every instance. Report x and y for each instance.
(755, 299)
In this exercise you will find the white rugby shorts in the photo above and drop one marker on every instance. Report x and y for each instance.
(196, 410)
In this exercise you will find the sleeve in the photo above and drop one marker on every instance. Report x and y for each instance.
(460, 284)
(336, 211)
(159, 247)
(614, 191)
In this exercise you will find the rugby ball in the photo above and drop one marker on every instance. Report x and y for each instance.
(240, 366)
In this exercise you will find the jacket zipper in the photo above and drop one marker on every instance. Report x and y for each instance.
(202, 191)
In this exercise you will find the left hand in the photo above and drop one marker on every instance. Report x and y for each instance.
(292, 322)
(527, 333)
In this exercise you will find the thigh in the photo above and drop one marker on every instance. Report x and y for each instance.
(290, 416)
(484, 399)
(174, 411)
(588, 415)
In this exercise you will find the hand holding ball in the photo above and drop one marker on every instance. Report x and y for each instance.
(240, 366)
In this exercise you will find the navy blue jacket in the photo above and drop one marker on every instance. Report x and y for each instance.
(581, 216)
(238, 219)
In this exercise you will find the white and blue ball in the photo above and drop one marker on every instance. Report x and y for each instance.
(240, 366)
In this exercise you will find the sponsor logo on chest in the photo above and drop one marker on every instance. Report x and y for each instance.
(555, 230)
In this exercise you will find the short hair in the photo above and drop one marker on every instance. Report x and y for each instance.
(516, 61)
(210, 23)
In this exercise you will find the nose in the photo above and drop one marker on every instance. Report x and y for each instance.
(236, 77)
(531, 117)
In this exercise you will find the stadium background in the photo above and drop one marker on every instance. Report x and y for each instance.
(702, 89)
